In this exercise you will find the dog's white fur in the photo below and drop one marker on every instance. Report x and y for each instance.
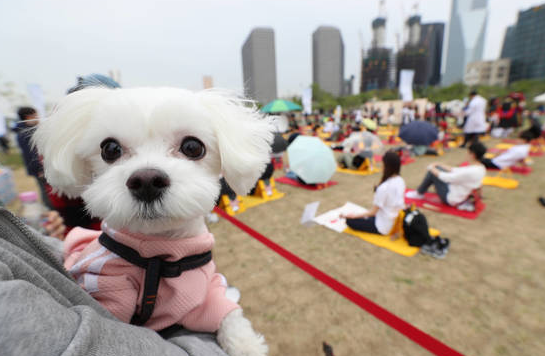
(150, 124)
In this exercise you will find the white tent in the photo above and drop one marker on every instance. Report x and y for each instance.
(540, 98)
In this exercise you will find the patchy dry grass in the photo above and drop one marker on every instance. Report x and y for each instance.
(485, 298)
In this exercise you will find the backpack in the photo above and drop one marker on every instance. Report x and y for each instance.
(415, 227)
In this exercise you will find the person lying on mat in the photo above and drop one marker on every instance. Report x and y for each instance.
(454, 185)
(513, 156)
(387, 202)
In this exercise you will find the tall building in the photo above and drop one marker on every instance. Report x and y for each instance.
(348, 85)
(259, 65)
(423, 52)
(466, 35)
(328, 60)
(508, 47)
(524, 45)
(376, 66)
(431, 38)
(491, 73)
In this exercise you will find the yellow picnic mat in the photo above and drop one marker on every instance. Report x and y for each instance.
(504, 146)
(331, 220)
(361, 173)
(501, 182)
(250, 201)
(399, 245)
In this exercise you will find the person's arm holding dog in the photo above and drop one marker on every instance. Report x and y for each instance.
(45, 312)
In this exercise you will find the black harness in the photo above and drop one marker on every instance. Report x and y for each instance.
(155, 269)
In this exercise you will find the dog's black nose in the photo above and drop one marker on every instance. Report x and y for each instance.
(148, 184)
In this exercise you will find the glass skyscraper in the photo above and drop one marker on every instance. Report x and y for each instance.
(524, 44)
(466, 33)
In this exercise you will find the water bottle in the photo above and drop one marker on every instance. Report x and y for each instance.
(31, 210)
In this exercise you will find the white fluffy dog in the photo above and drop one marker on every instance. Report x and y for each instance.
(98, 140)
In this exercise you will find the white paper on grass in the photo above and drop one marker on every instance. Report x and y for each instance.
(332, 219)
(309, 213)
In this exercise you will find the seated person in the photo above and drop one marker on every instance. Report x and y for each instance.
(387, 202)
(266, 178)
(294, 176)
(356, 148)
(512, 156)
(454, 185)
(227, 190)
(330, 126)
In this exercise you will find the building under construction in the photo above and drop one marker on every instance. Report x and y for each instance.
(422, 53)
(375, 68)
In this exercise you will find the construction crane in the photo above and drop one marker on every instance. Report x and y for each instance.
(415, 8)
(382, 8)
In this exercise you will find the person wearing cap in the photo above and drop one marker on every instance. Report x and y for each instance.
(475, 124)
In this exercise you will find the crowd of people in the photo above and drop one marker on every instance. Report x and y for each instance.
(455, 186)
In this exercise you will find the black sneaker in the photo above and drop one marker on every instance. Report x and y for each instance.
(444, 243)
(541, 201)
(434, 249)
(429, 248)
(439, 252)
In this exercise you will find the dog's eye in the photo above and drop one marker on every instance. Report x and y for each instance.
(111, 150)
(193, 148)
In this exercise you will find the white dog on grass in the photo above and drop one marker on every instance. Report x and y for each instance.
(147, 162)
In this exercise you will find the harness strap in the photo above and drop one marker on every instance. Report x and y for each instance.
(155, 269)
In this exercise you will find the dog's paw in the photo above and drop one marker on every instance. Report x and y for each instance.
(237, 337)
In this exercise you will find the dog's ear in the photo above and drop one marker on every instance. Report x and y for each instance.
(56, 140)
(244, 138)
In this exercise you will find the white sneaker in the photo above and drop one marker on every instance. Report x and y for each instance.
(467, 206)
(413, 194)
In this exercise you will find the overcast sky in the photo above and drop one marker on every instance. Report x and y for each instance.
(169, 42)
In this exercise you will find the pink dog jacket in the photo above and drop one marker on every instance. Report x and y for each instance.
(196, 299)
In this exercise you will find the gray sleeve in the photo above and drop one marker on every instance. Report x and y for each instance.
(33, 323)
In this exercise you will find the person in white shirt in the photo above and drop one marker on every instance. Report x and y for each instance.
(475, 124)
(359, 117)
(454, 185)
(512, 156)
(387, 202)
(406, 114)
(329, 126)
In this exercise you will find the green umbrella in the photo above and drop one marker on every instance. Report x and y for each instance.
(280, 106)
